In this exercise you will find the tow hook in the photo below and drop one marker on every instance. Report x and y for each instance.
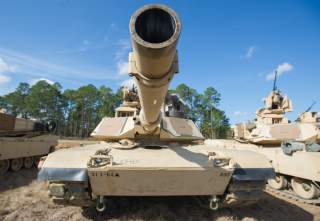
(214, 203)
(101, 204)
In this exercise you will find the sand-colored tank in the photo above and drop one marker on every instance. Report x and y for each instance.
(291, 147)
(22, 142)
(148, 148)
(311, 117)
(271, 127)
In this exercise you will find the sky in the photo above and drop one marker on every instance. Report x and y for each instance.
(234, 46)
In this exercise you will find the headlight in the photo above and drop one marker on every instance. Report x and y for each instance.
(57, 189)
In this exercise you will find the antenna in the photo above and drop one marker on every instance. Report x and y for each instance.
(310, 107)
(307, 110)
(275, 80)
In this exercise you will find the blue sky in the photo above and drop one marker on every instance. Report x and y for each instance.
(230, 45)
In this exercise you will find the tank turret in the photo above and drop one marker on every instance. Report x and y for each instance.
(155, 30)
(15, 126)
(271, 126)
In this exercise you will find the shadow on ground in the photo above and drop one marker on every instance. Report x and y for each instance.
(187, 208)
(12, 180)
(28, 200)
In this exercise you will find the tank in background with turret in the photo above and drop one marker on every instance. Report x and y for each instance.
(23, 142)
(313, 118)
(272, 127)
(292, 147)
(149, 148)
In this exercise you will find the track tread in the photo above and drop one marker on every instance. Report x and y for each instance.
(289, 194)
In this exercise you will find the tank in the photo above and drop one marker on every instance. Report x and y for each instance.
(291, 147)
(149, 148)
(311, 117)
(23, 142)
(271, 127)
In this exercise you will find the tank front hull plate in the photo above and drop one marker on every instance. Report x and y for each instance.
(177, 170)
(159, 182)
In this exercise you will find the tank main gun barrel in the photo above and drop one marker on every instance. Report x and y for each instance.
(155, 31)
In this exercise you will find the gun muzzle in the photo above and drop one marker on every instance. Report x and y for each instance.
(155, 31)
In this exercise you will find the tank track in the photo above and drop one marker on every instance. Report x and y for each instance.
(291, 195)
(35, 164)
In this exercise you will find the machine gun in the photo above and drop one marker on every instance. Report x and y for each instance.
(275, 81)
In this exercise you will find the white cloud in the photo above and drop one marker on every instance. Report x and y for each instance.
(34, 81)
(4, 79)
(5, 67)
(281, 69)
(123, 50)
(284, 68)
(121, 55)
(129, 83)
(39, 68)
(250, 52)
(35, 68)
(122, 67)
(240, 113)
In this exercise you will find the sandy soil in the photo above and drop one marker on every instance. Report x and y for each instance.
(22, 197)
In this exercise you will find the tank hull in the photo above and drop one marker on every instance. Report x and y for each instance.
(18, 152)
(172, 171)
(17, 147)
(275, 134)
(301, 168)
(301, 164)
(298, 174)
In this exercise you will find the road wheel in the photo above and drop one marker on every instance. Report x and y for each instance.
(28, 162)
(4, 166)
(36, 161)
(278, 183)
(304, 188)
(16, 164)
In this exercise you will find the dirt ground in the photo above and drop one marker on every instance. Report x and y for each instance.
(22, 197)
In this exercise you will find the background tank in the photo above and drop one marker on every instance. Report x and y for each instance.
(22, 142)
(311, 117)
(291, 147)
(150, 149)
(271, 127)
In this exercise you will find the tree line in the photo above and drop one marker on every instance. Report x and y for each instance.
(203, 110)
(77, 112)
